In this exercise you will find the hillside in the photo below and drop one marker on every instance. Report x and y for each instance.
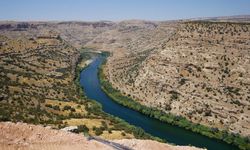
(76, 34)
(39, 85)
(200, 72)
(199, 65)
(196, 69)
(29, 69)
(25, 136)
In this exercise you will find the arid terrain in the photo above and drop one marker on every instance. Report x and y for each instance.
(40, 80)
(198, 69)
(30, 137)
(38, 75)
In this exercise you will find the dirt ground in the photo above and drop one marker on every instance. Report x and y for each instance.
(22, 136)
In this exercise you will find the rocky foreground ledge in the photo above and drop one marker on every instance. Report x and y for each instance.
(33, 137)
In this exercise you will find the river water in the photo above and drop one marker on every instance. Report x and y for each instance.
(173, 134)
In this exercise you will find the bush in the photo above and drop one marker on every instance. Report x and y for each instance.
(67, 107)
(72, 109)
(83, 128)
(48, 105)
(109, 130)
(98, 131)
(104, 125)
(56, 107)
(123, 134)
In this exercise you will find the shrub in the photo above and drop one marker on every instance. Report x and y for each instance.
(98, 131)
(72, 109)
(67, 107)
(83, 128)
(123, 134)
(56, 107)
(48, 105)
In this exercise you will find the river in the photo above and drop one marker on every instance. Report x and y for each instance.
(173, 134)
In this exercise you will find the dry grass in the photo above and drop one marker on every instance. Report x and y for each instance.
(116, 135)
(78, 108)
(90, 123)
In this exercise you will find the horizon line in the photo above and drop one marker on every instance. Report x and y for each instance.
(120, 20)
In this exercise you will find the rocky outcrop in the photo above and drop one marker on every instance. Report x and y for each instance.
(29, 137)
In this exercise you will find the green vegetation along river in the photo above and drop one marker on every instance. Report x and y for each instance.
(91, 84)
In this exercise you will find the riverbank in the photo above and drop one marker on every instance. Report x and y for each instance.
(96, 108)
(233, 139)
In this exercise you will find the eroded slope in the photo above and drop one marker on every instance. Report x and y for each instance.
(201, 72)
(38, 86)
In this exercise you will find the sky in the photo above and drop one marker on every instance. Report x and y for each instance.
(116, 10)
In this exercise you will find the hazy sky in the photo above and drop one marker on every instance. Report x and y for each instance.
(93, 10)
